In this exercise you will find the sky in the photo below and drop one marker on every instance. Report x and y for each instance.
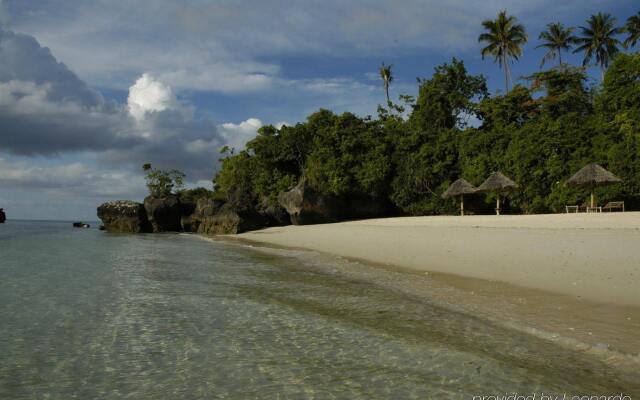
(91, 90)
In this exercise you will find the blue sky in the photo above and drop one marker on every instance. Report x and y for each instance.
(91, 90)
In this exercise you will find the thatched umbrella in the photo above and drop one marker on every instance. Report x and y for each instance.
(498, 183)
(593, 175)
(459, 188)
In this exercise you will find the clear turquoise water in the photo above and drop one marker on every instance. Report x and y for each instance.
(85, 314)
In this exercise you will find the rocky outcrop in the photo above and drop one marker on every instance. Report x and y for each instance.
(187, 210)
(3, 216)
(231, 220)
(124, 216)
(306, 206)
(202, 209)
(275, 214)
(164, 213)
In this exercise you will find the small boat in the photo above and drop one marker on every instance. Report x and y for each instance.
(3, 216)
(81, 225)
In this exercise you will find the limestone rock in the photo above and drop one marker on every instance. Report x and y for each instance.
(124, 216)
(306, 206)
(232, 220)
(164, 213)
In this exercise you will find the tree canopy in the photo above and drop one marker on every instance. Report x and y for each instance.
(539, 133)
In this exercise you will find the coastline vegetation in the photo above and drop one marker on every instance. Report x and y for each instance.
(538, 132)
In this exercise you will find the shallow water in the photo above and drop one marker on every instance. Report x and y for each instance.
(88, 314)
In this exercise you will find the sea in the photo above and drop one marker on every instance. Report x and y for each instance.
(87, 314)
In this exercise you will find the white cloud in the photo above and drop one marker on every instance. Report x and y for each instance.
(237, 135)
(226, 45)
(229, 134)
(148, 95)
(71, 178)
(32, 123)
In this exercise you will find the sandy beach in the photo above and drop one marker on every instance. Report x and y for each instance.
(571, 273)
(589, 256)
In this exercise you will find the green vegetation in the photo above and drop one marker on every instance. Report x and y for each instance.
(538, 134)
(387, 77)
(556, 39)
(632, 29)
(195, 194)
(599, 40)
(504, 39)
(160, 182)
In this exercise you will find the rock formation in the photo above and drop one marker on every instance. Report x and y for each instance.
(231, 219)
(306, 206)
(202, 209)
(124, 216)
(164, 213)
(3, 216)
(275, 214)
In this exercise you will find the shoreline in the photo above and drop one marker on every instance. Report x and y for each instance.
(603, 327)
(588, 256)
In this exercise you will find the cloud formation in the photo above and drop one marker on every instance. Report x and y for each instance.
(149, 95)
(226, 45)
(45, 109)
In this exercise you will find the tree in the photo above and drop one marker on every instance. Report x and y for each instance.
(632, 27)
(387, 77)
(504, 39)
(556, 39)
(426, 153)
(598, 40)
(161, 182)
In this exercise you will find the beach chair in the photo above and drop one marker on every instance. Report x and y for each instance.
(614, 205)
(572, 209)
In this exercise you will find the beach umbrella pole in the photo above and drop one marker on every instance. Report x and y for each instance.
(593, 197)
(462, 205)
(498, 205)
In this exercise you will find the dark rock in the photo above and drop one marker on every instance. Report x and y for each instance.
(163, 213)
(81, 225)
(275, 214)
(203, 208)
(124, 216)
(306, 206)
(207, 207)
(3, 216)
(187, 208)
(231, 219)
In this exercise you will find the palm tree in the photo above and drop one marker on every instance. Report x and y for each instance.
(385, 74)
(633, 30)
(598, 39)
(504, 38)
(556, 39)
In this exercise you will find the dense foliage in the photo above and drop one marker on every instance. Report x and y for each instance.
(160, 182)
(538, 134)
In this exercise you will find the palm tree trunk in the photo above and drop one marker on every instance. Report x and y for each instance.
(386, 89)
(602, 72)
(506, 74)
(560, 57)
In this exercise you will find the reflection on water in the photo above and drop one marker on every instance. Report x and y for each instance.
(86, 314)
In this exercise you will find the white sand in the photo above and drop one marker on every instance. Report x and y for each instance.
(592, 257)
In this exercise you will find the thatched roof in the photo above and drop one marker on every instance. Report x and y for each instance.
(497, 182)
(592, 174)
(459, 187)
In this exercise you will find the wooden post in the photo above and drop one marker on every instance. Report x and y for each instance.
(498, 204)
(462, 205)
(593, 197)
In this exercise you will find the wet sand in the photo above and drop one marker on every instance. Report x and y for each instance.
(571, 278)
